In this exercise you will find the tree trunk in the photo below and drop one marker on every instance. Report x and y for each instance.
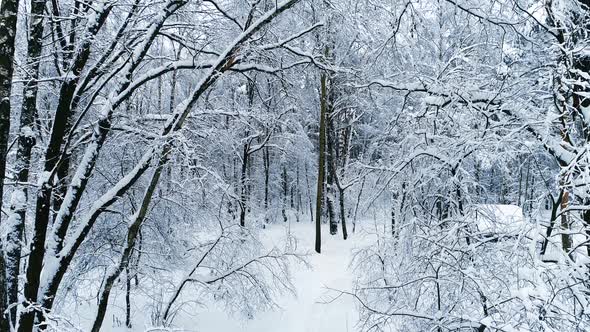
(266, 160)
(519, 199)
(333, 222)
(586, 220)
(243, 184)
(556, 204)
(127, 299)
(132, 235)
(285, 194)
(244, 176)
(334, 181)
(566, 238)
(297, 195)
(8, 23)
(343, 215)
(308, 194)
(321, 161)
(25, 143)
(393, 207)
(525, 203)
(532, 195)
(331, 165)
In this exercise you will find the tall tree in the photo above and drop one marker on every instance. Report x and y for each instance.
(321, 160)
(25, 142)
(8, 24)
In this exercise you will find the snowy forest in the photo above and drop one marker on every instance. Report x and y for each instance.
(295, 165)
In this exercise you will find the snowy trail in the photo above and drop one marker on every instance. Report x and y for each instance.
(308, 312)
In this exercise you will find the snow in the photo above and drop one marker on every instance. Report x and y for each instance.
(417, 170)
(44, 178)
(537, 10)
(398, 86)
(499, 218)
(27, 131)
(242, 89)
(434, 100)
(317, 306)
(18, 201)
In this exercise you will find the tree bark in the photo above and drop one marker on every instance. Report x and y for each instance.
(297, 195)
(566, 238)
(25, 143)
(8, 23)
(243, 184)
(334, 181)
(132, 235)
(330, 187)
(285, 194)
(343, 214)
(266, 160)
(556, 204)
(586, 220)
(127, 299)
(321, 161)
(308, 194)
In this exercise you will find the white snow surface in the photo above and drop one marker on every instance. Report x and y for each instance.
(498, 218)
(310, 310)
(317, 306)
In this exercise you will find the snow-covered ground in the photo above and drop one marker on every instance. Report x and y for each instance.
(316, 307)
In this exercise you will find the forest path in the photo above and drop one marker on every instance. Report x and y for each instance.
(310, 310)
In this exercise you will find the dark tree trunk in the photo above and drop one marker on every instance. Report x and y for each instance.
(297, 196)
(266, 159)
(525, 203)
(519, 200)
(25, 143)
(127, 299)
(402, 205)
(309, 194)
(393, 207)
(346, 138)
(321, 161)
(245, 171)
(586, 219)
(8, 23)
(343, 215)
(243, 184)
(333, 222)
(285, 194)
(532, 195)
(331, 165)
(566, 238)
